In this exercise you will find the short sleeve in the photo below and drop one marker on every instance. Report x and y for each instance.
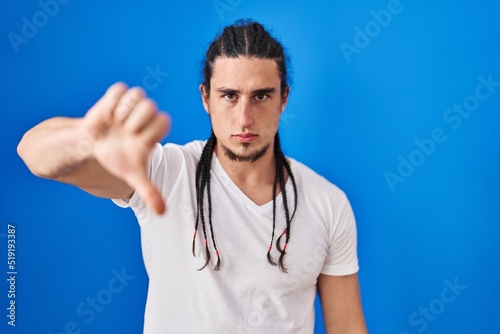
(342, 257)
(165, 165)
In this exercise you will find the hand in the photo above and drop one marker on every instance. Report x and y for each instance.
(123, 126)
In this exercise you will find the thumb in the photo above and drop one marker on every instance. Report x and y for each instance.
(148, 192)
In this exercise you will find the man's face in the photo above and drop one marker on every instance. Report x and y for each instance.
(245, 105)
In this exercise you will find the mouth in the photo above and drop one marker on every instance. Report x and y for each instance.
(245, 137)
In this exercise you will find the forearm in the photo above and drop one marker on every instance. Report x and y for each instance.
(55, 147)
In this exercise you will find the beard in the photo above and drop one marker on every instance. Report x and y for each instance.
(246, 157)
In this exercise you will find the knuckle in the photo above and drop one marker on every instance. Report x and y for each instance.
(136, 93)
(117, 88)
(148, 105)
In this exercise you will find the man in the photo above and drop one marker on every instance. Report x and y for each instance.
(268, 231)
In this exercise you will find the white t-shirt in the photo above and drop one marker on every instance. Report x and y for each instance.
(247, 294)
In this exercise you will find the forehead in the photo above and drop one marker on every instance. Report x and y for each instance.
(245, 73)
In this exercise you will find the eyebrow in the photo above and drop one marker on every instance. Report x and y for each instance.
(266, 90)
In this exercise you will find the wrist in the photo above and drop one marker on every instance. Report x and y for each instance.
(83, 147)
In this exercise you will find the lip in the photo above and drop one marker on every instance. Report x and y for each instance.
(245, 137)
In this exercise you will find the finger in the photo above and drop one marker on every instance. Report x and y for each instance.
(142, 114)
(102, 110)
(148, 192)
(128, 102)
(157, 128)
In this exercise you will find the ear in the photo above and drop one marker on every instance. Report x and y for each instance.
(284, 99)
(204, 97)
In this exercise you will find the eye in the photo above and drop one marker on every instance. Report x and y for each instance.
(229, 97)
(261, 97)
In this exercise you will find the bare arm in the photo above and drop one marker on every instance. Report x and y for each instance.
(105, 153)
(57, 149)
(341, 303)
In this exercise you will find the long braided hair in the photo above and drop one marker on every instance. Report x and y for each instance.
(244, 38)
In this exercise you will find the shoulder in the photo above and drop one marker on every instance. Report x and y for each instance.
(193, 147)
(171, 151)
(172, 158)
(311, 180)
(318, 193)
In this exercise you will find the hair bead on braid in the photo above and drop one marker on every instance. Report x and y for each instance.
(244, 38)
(202, 183)
(283, 165)
(275, 185)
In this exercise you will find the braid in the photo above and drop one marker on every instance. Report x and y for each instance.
(275, 184)
(231, 42)
(202, 182)
(290, 174)
(217, 266)
(282, 165)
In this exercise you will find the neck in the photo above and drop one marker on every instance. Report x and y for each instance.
(255, 179)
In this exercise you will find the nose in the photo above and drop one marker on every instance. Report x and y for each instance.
(246, 118)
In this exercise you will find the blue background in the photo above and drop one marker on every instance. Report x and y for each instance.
(351, 117)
